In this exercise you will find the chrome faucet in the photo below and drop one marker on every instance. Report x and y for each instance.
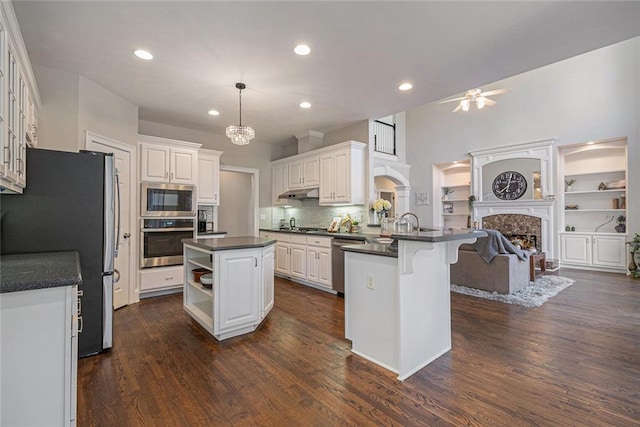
(415, 216)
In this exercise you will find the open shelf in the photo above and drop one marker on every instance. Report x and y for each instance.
(620, 190)
(595, 173)
(203, 262)
(198, 287)
(202, 312)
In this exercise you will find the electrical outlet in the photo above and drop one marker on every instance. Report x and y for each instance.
(371, 281)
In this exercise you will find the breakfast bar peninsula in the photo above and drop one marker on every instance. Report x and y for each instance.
(239, 294)
(397, 301)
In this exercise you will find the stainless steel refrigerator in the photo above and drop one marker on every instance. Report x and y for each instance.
(69, 205)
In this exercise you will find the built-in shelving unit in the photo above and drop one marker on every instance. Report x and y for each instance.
(593, 203)
(452, 210)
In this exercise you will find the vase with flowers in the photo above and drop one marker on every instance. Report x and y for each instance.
(446, 191)
(381, 207)
(634, 247)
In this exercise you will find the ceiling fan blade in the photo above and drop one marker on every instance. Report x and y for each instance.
(495, 92)
(489, 102)
(452, 100)
(458, 108)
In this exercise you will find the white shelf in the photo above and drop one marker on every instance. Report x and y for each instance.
(457, 186)
(455, 200)
(597, 210)
(457, 214)
(202, 312)
(197, 286)
(621, 190)
(203, 262)
(595, 173)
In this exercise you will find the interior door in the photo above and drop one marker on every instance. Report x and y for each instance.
(122, 285)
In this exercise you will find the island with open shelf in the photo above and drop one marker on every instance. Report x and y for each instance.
(242, 292)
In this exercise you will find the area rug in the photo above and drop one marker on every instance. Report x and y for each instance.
(534, 295)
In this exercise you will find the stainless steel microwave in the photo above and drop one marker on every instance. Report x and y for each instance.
(159, 199)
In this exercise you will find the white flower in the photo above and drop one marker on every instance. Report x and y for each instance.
(381, 205)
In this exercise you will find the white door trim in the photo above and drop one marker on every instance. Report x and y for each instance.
(134, 289)
(255, 190)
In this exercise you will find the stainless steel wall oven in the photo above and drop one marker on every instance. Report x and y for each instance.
(161, 240)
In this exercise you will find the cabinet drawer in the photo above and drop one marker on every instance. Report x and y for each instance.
(283, 237)
(324, 242)
(298, 239)
(268, 235)
(160, 278)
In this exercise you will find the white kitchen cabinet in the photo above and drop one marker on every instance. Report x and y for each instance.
(342, 174)
(319, 260)
(160, 278)
(165, 160)
(209, 177)
(599, 251)
(241, 294)
(291, 255)
(298, 254)
(280, 184)
(304, 173)
(39, 356)
(19, 103)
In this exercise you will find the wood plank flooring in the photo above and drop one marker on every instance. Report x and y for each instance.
(573, 361)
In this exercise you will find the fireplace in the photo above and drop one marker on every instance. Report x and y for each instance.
(525, 228)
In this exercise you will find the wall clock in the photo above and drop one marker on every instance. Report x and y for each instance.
(509, 185)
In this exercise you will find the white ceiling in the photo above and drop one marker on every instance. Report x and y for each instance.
(361, 52)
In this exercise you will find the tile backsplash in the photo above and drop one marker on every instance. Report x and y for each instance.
(310, 214)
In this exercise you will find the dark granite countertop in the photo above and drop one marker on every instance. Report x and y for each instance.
(382, 249)
(229, 243)
(25, 272)
(358, 236)
(440, 235)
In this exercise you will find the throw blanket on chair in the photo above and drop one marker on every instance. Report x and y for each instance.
(495, 243)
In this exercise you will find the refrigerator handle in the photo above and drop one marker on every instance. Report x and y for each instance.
(117, 247)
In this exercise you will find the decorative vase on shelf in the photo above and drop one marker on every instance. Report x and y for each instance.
(632, 261)
(569, 188)
(381, 215)
(621, 228)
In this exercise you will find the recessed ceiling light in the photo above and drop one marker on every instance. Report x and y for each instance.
(305, 105)
(302, 49)
(214, 113)
(405, 86)
(143, 54)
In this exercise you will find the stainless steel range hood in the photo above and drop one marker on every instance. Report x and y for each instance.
(301, 194)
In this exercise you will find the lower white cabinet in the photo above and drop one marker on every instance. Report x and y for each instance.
(602, 251)
(39, 357)
(242, 292)
(303, 258)
(161, 278)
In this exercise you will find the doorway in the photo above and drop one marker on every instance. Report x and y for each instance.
(238, 210)
(124, 286)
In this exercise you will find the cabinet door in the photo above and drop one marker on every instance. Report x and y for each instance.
(295, 174)
(267, 275)
(609, 251)
(237, 303)
(311, 172)
(327, 178)
(342, 177)
(154, 163)
(282, 258)
(576, 249)
(184, 166)
(312, 263)
(324, 267)
(299, 261)
(208, 183)
(279, 184)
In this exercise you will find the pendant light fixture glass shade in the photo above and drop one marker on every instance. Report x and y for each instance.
(240, 135)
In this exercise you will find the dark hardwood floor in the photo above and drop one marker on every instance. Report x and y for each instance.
(573, 361)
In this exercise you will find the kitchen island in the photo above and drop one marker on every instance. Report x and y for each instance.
(397, 299)
(242, 291)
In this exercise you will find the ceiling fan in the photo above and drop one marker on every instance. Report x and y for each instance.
(476, 96)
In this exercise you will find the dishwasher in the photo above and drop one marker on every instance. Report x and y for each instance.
(337, 262)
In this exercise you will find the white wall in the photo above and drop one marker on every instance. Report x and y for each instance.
(234, 213)
(590, 97)
(72, 104)
(357, 132)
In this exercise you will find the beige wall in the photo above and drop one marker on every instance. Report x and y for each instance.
(357, 132)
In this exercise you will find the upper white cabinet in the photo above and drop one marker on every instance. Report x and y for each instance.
(304, 173)
(166, 160)
(209, 177)
(280, 184)
(594, 195)
(342, 174)
(19, 102)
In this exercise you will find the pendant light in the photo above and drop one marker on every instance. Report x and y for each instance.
(240, 135)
